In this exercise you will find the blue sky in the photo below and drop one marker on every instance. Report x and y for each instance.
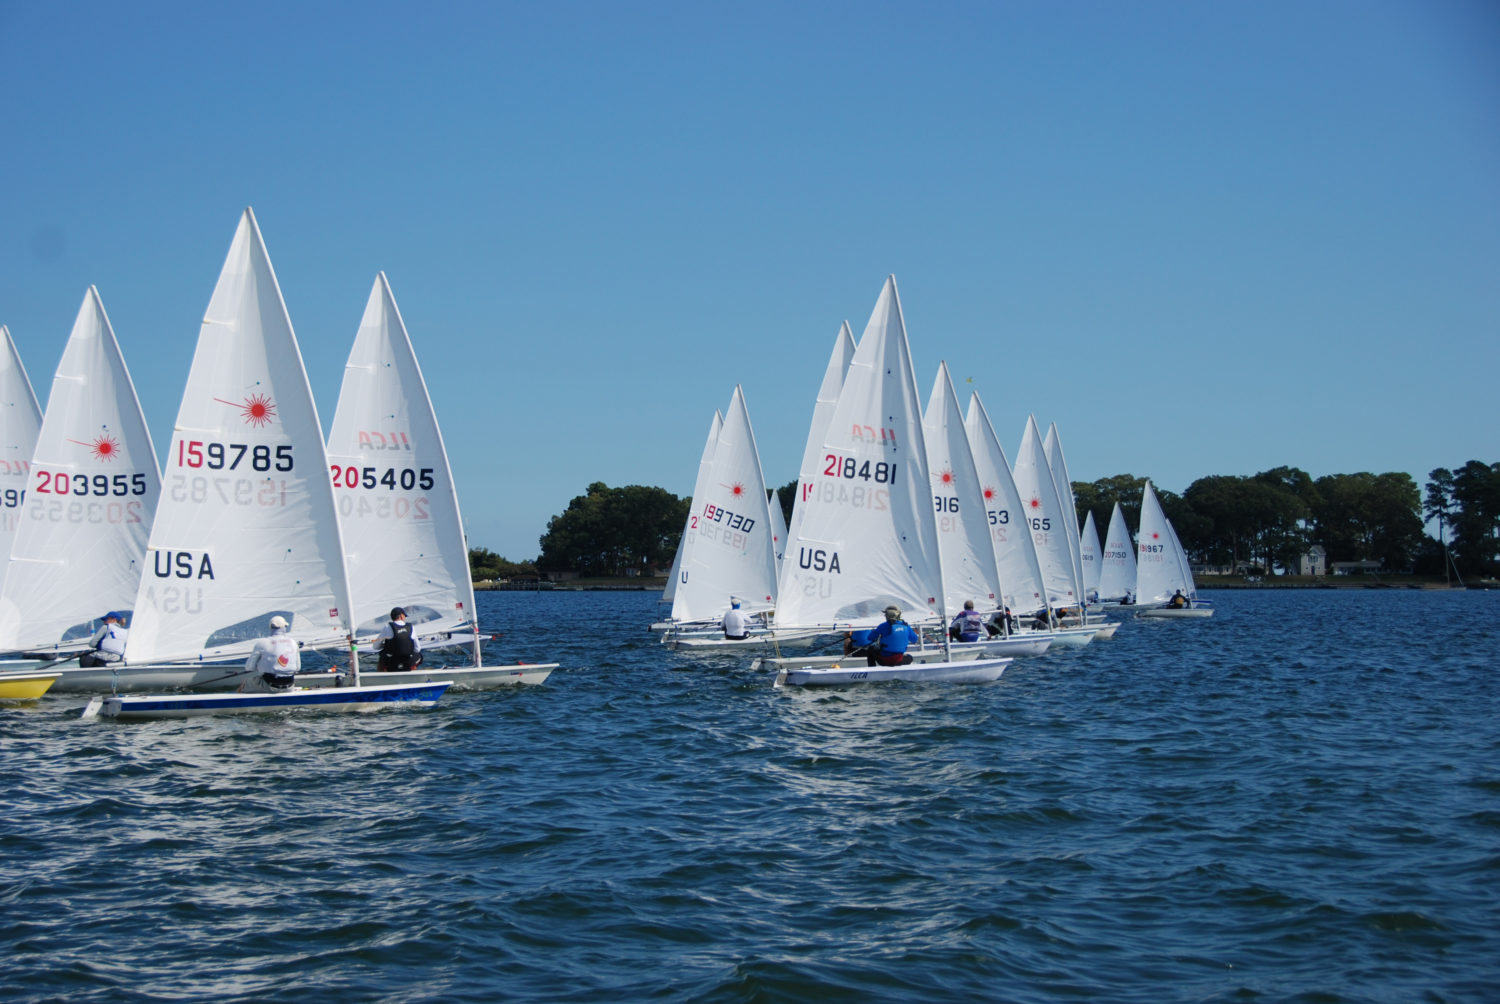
(1203, 238)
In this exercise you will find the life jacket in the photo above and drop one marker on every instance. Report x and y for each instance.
(284, 655)
(113, 641)
(399, 645)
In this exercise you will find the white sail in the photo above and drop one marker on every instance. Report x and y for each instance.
(1021, 581)
(403, 536)
(1045, 515)
(1117, 566)
(828, 396)
(867, 537)
(1058, 464)
(247, 525)
(732, 555)
(1088, 556)
(1161, 567)
(969, 569)
(20, 421)
(685, 542)
(81, 545)
(778, 527)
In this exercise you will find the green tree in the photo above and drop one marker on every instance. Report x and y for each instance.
(1364, 516)
(609, 530)
(1476, 521)
(787, 496)
(486, 565)
(1099, 497)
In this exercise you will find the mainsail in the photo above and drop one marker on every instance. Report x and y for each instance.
(79, 550)
(1117, 566)
(1044, 513)
(867, 537)
(20, 420)
(732, 555)
(1021, 581)
(969, 569)
(398, 508)
(247, 525)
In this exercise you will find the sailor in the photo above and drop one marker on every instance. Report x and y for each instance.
(274, 662)
(967, 625)
(399, 649)
(736, 627)
(1178, 601)
(1003, 623)
(886, 644)
(108, 642)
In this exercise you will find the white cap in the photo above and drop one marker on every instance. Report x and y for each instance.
(278, 621)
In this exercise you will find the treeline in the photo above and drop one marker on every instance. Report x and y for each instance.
(1273, 518)
(1268, 520)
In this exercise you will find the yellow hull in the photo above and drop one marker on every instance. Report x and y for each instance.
(24, 686)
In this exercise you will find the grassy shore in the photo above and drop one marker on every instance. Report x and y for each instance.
(648, 585)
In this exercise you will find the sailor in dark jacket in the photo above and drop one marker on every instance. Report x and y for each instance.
(399, 649)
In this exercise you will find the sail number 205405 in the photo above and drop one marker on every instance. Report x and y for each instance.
(405, 478)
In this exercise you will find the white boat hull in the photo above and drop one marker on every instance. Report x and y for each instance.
(362, 698)
(149, 679)
(462, 677)
(717, 642)
(1175, 612)
(1105, 630)
(1076, 637)
(972, 671)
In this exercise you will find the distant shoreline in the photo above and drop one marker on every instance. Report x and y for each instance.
(656, 585)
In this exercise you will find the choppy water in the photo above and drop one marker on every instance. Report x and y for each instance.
(1297, 800)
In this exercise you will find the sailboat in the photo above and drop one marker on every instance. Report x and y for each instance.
(1117, 564)
(20, 421)
(685, 540)
(1089, 557)
(81, 544)
(1162, 566)
(867, 536)
(1047, 517)
(398, 506)
(247, 526)
(25, 685)
(970, 567)
(731, 555)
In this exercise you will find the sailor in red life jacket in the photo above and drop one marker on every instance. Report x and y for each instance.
(399, 649)
(275, 660)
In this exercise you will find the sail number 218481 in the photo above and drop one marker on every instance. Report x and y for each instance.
(881, 472)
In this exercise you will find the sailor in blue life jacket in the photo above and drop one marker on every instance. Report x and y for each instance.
(736, 626)
(885, 645)
(400, 651)
(967, 625)
(108, 642)
(274, 661)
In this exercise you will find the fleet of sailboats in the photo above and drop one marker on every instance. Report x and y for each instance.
(902, 513)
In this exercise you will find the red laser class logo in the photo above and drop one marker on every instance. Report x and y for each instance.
(946, 477)
(989, 494)
(737, 489)
(256, 410)
(1036, 503)
(106, 447)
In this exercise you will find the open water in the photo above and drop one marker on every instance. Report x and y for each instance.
(1298, 800)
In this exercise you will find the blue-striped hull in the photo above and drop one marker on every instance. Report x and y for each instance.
(320, 699)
